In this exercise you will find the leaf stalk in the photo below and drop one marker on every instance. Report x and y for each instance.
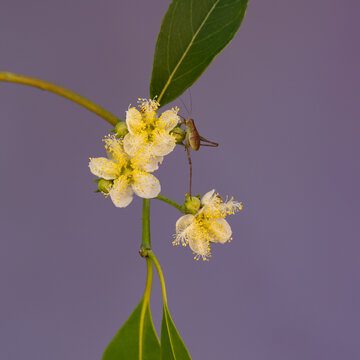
(152, 256)
(171, 202)
(61, 91)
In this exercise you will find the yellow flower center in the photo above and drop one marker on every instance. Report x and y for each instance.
(127, 170)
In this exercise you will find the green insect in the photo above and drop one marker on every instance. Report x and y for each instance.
(193, 140)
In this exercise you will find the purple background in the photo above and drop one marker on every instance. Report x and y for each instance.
(282, 101)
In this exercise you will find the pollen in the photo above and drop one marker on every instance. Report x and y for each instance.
(149, 133)
(207, 226)
(127, 173)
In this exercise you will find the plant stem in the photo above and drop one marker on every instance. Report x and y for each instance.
(59, 90)
(147, 292)
(146, 242)
(152, 256)
(171, 202)
(146, 298)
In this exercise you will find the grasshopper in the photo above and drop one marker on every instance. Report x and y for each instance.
(193, 140)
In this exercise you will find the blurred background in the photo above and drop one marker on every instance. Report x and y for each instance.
(283, 102)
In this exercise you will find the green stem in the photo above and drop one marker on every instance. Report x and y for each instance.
(59, 90)
(171, 202)
(149, 277)
(152, 256)
(146, 298)
(146, 242)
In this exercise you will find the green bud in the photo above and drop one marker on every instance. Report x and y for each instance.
(104, 185)
(191, 204)
(121, 129)
(179, 134)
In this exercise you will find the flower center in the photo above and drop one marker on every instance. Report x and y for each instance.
(127, 170)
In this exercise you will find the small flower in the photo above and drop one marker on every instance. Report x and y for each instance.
(207, 225)
(127, 173)
(150, 134)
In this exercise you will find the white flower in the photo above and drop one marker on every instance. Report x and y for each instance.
(127, 173)
(150, 134)
(207, 225)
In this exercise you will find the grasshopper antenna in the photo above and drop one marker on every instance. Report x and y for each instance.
(190, 101)
(183, 119)
(187, 110)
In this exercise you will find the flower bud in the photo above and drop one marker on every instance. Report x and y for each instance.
(191, 204)
(179, 134)
(104, 185)
(121, 129)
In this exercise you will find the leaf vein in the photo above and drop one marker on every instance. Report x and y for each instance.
(212, 34)
(189, 71)
(186, 50)
(170, 340)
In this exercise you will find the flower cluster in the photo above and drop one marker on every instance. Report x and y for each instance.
(207, 225)
(136, 151)
(131, 161)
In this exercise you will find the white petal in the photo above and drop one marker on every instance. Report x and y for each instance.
(134, 120)
(121, 193)
(134, 144)
(183, 229)
(219, 230)
(152, 163)
(200, 247)
(206, 198)
(114, 149)
(145, 185)
(169, 119)
(104, 168)
(184, 222)
(164, 143)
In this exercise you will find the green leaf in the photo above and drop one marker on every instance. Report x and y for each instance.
(137, 339)
(172, 346)
(192, 33)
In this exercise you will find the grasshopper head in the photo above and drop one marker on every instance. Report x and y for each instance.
(190, 125)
